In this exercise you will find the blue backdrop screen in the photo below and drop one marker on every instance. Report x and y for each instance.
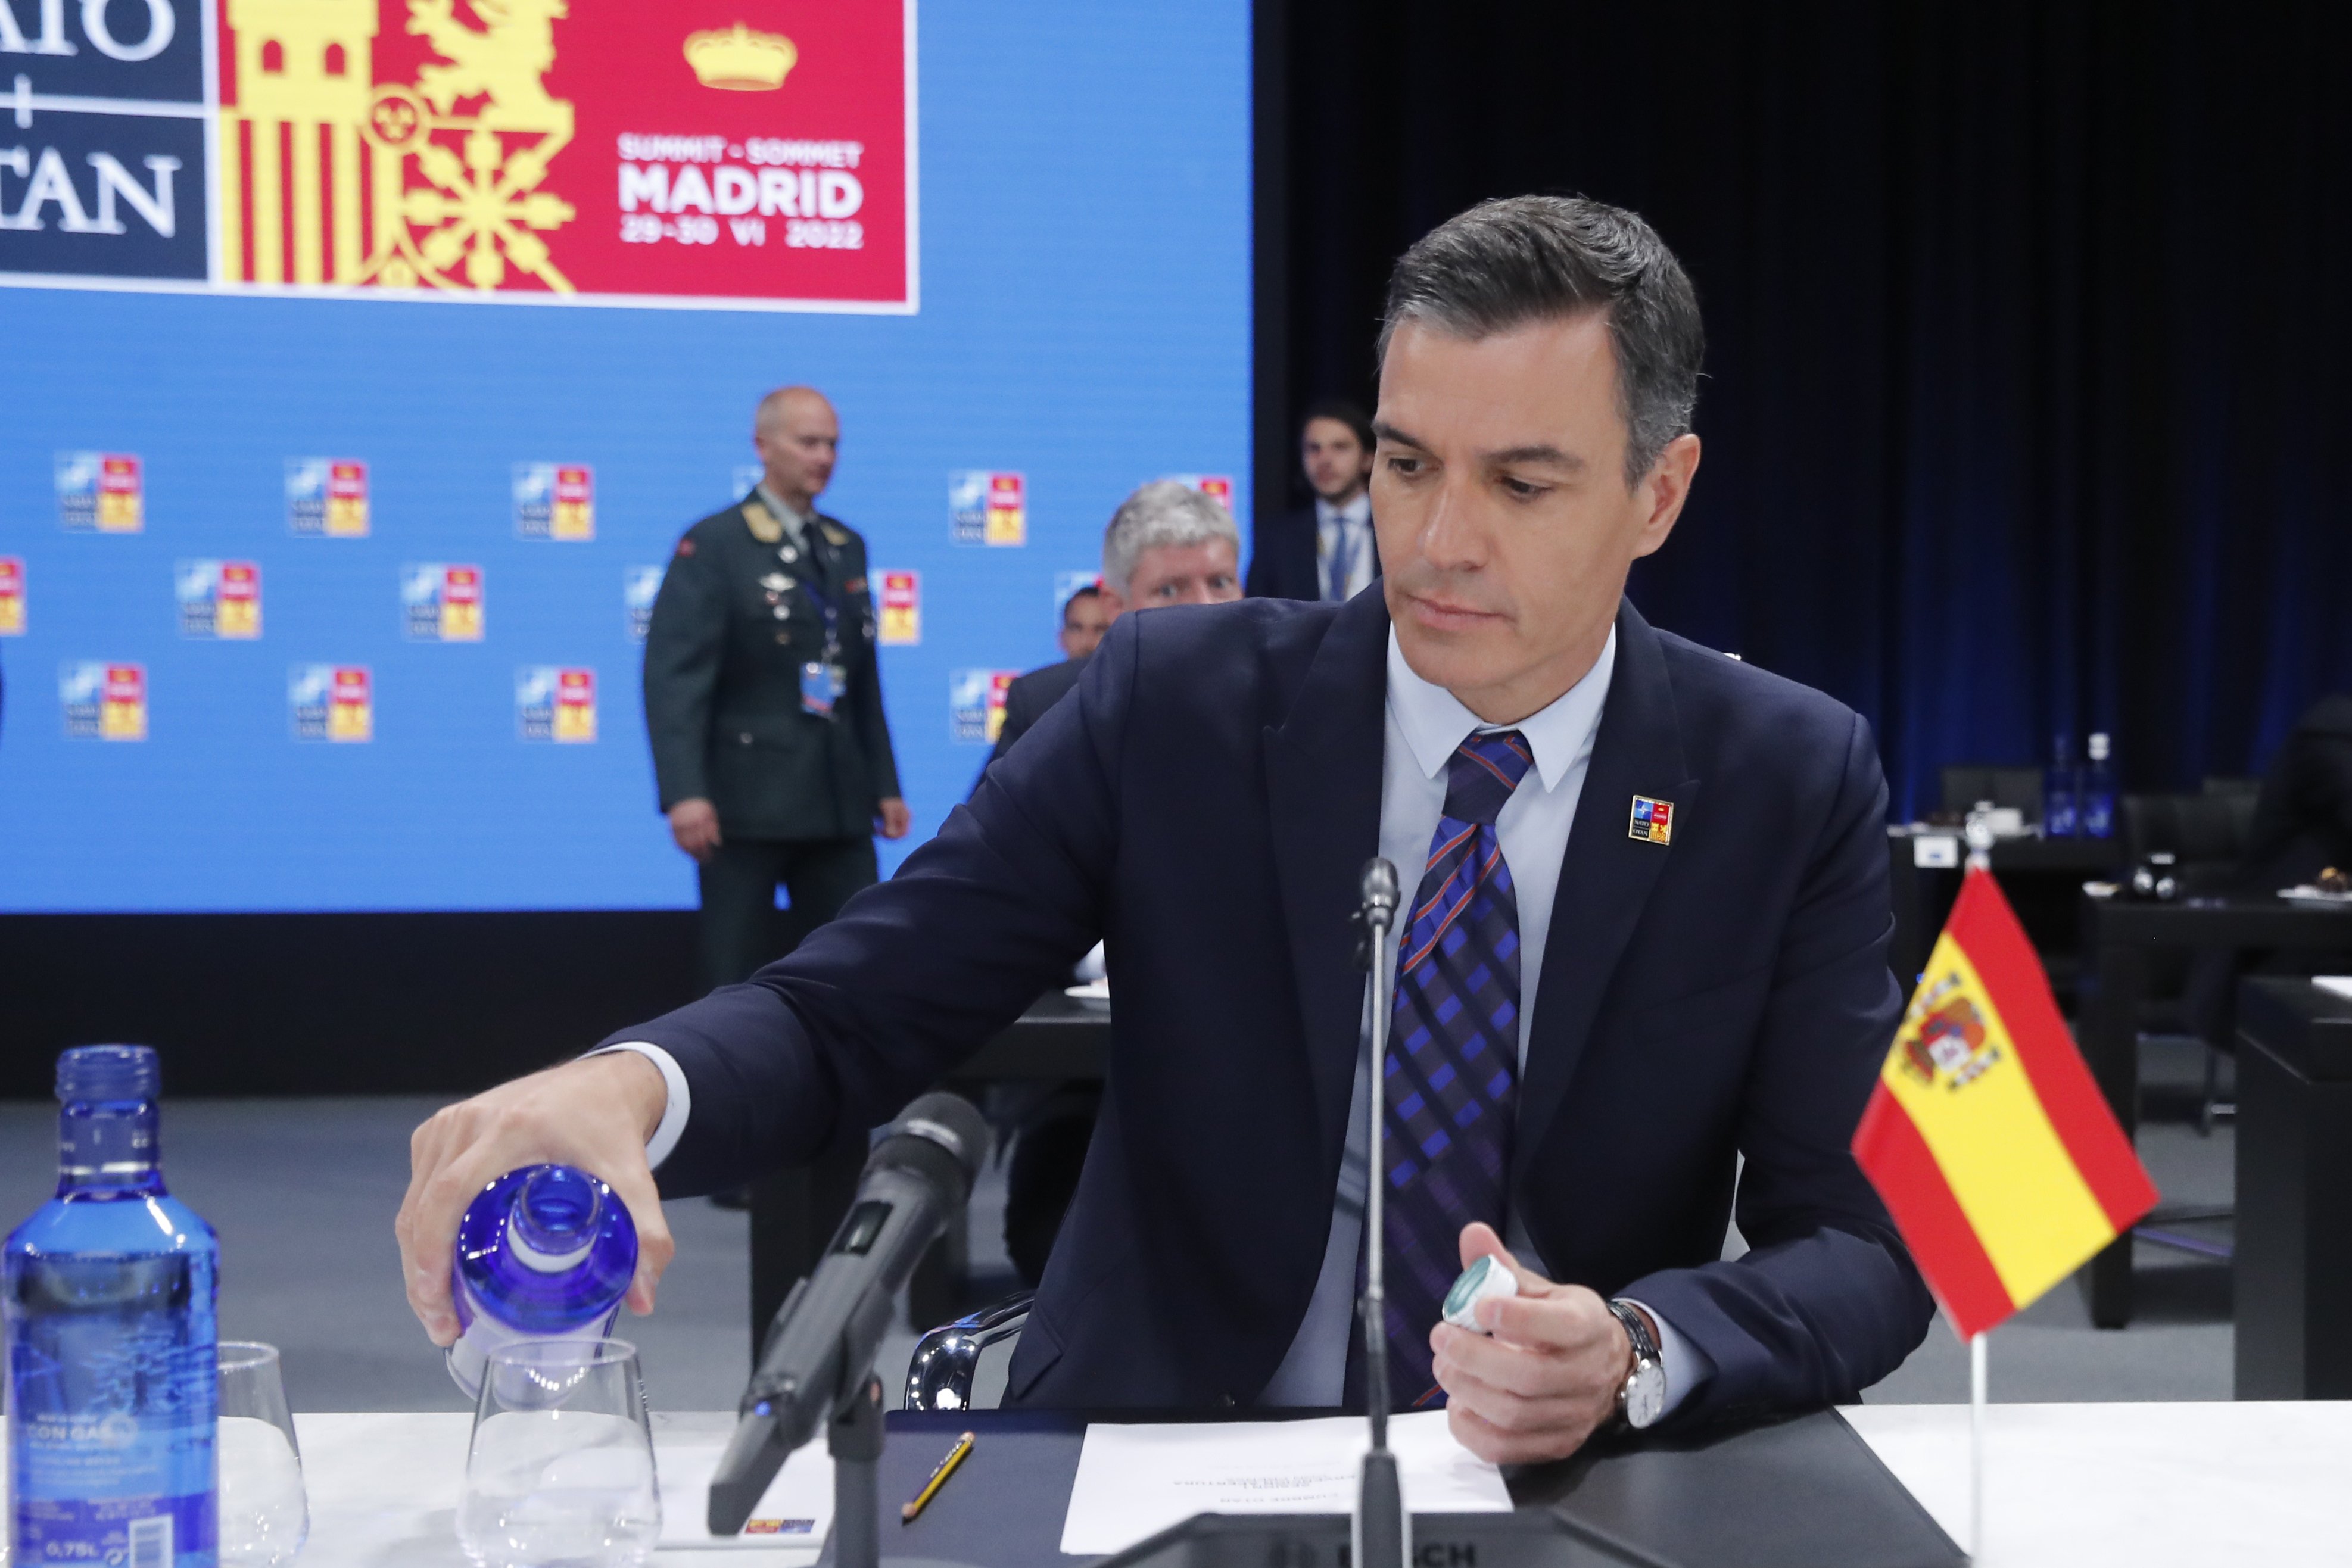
(243, 540)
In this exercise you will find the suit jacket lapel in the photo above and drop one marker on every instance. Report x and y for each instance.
(1606, 875)
(1323, 794)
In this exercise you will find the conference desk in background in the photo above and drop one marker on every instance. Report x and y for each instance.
(2294, 1255)
(2119, 935)
(1059, 1039)
(2040, 877)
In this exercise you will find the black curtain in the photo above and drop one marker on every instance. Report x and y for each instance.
(2027, 405)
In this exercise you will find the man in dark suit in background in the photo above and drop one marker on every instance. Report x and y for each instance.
(1646, 937)
(1167, 543)
(1326, 551)
(764, 700)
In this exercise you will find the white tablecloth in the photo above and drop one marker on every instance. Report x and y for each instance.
(2143, 1485)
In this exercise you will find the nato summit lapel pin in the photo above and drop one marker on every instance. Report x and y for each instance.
(1653, 821)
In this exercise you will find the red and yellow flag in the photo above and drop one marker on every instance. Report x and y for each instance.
(1987, 1136)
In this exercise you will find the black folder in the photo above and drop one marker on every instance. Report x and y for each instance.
(1801, 1492)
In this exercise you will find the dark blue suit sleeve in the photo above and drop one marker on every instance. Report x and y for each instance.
(1826, 1300)
(916, 974)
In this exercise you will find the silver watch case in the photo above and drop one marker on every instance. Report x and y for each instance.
(1642, 1400)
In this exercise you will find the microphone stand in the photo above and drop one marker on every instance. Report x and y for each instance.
(1380, 1531)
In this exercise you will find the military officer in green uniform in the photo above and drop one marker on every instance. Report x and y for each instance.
(764, 700)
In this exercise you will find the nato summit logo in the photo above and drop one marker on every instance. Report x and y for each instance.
(976, 705)
(640, 586)
(103, 701)
(554, 501)
(98, 492)
(440, 602)
(987, 509)
(219, 599)
(327, 497)
(333, 703)
(553, 703)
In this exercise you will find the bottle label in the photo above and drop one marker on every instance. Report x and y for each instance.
(483, 1335)
(104, 1490)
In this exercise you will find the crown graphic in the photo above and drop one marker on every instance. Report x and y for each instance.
(740, 59)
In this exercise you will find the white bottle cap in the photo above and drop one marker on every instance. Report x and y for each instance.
(2098, 748)
(1486, 1279)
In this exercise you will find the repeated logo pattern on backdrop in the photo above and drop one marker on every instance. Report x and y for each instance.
(442, 601)
(761, 156)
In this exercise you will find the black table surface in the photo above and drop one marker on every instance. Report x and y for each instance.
(1059, 1038)
(2257, 921)
(1794, 1494)
(2307, 1027)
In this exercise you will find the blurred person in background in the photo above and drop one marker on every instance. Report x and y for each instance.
(764, 701)
(1326, 551)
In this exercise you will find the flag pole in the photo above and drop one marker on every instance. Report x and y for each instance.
(1976, 1444)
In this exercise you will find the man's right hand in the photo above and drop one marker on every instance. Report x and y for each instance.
(594, 1113)
(694, 825)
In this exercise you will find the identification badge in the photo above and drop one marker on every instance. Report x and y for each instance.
(817, 688)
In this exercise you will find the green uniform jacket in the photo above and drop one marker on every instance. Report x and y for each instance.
(731, 628)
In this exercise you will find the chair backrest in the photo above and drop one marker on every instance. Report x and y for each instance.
(1966, 783)
(2215, 784)
(2202, 831)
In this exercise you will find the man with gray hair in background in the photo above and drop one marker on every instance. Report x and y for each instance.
(1167, 543)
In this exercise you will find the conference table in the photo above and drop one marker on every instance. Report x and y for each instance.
(2119, 936)
(2065, 1484)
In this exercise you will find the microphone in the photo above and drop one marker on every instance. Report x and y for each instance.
(1380, 1532)
(819, 1351)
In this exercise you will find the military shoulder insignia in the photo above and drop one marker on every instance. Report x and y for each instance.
(763, 525)
(685, 546)
(836, 535)
(1653, 821)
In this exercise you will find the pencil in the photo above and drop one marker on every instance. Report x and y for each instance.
(939, 1479)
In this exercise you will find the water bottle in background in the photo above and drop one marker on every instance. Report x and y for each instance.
(109, 1295)
(2059, 818)
(2098, 796)
(543, 1252)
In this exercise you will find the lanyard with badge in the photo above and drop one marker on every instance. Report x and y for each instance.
(822, 681)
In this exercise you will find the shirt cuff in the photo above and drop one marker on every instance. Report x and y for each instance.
(1685, 1366)
(681, 1104)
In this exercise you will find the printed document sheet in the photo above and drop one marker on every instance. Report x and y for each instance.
(1135, 1480)
(794, 1512)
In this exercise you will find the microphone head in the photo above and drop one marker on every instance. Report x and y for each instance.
(1380, 884)
(935, 1125)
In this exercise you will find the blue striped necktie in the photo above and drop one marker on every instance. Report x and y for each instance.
(1451, 1077)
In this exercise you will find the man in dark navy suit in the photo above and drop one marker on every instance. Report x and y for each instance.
(1326, 551)
(1646, 937)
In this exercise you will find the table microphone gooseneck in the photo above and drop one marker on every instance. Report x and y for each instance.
(819, 1351)
(1380, 1532)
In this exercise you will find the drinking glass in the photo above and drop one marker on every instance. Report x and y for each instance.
(561, 1470)
(264, 1512)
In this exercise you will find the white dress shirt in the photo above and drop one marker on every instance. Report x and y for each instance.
(1351, 526)
(1425, 724)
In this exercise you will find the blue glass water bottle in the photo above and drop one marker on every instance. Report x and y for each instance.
(543, 1252)
(2059, 818)
(2098, 797)
(113, 1394)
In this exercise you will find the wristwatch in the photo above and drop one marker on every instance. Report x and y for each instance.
(1643, 1399)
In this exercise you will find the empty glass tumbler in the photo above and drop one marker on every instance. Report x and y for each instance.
(561, 1470)
(265, 1513)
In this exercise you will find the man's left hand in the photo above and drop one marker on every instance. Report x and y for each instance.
(1543, 1377)
(895, 818)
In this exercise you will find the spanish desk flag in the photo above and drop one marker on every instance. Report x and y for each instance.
(1986, 1135)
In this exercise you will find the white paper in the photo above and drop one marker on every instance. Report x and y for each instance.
(795, 1512)
(2341, 984)
(1135, 1480)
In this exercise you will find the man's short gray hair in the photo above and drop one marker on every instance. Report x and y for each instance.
(1164, 513)
(1520, 259)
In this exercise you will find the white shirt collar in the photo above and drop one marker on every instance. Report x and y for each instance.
(1359, 510)
(1435, 723)
(795, 523)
